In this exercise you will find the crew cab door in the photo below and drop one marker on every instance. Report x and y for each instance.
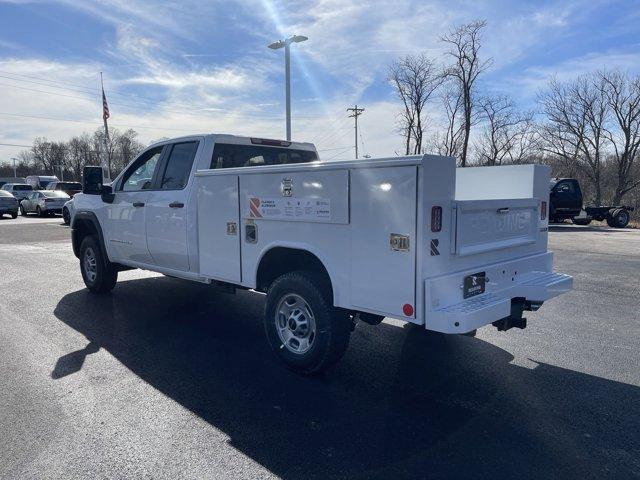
(166, 210)
(125, 219)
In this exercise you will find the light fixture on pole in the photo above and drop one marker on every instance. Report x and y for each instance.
(286, 44)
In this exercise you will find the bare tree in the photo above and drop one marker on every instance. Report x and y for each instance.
(126, 148)
(623, 97)
(449, 143)
(577, 113)
(49, 156)
(465, 42)
(507, 133)
(80, 153)
(415, 79)
(560, 147)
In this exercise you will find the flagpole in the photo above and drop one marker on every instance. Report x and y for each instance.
(105, 163)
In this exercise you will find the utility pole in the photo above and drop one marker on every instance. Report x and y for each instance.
(356, 113)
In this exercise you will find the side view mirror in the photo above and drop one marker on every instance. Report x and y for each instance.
(92, 180)
(107, 194)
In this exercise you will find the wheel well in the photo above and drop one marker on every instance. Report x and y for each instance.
(82, 228)
(281, 260)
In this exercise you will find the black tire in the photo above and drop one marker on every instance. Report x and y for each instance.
(99, 274)
(23, 212)
(14, 215)
(620, 218)
(66, 218)
(327, 342)
(581, 221)
(39, 212)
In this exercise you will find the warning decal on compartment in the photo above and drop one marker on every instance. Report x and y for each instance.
(279, 208)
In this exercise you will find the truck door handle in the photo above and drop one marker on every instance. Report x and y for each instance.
(176, 205)
(138, 204)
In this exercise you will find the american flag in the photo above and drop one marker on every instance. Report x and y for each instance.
(105, 106)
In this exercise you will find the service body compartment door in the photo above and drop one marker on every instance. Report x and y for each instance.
(383, 241)
(218, 227)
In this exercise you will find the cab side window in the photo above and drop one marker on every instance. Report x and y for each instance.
(178, 166)
(140, 174)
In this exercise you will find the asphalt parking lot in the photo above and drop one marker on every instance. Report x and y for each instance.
(168, 379)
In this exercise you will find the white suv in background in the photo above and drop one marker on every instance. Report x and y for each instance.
(18, 190)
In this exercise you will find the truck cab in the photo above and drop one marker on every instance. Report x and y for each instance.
(565, 198)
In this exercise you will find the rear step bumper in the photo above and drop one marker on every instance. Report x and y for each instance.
(475, 312)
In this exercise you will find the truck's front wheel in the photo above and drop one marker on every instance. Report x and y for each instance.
(98, 273)
(303, 328)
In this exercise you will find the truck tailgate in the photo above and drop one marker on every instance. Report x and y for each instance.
(486, 225)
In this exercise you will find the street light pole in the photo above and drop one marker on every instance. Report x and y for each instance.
(287, 68)
(15, 171)
(286, 44)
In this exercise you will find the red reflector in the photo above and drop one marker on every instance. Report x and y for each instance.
(407, 309)
(543, 211)
(436, 219)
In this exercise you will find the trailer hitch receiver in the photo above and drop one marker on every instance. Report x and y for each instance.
(518, 305)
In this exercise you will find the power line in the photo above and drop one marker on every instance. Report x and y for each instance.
(57, 119)
(339, 153)
(331, 149)
(356, 113)
(14, 145)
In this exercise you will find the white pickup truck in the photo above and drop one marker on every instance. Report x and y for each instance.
(330, 243)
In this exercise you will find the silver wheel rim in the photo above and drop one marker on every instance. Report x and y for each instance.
(295, 324)
(90, 264)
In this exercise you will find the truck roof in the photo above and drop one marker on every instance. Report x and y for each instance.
(238, 140)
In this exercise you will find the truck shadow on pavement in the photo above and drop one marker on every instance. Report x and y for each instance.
(403, 403)
(579, 229)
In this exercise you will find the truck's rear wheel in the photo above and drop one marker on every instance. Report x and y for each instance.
(304, 330)
(619, 218)
(98, 273)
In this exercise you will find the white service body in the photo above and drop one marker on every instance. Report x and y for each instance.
(369, 222)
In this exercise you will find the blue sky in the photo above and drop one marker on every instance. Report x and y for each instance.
(180, 67)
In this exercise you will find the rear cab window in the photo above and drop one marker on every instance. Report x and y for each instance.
(54, 194)
(227, 155)
(178, 165)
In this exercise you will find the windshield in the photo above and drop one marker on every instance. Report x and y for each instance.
(54, 194)
(22, 187)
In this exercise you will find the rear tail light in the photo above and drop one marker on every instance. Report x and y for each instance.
(543, 210)
(436, 219)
